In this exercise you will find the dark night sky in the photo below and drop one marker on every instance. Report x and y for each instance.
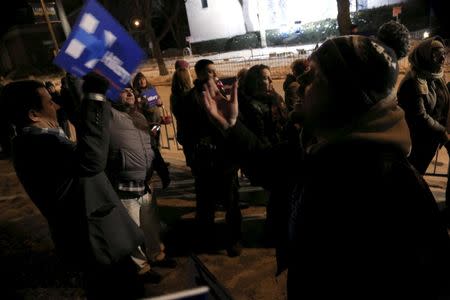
(13, 12)
(18, 12)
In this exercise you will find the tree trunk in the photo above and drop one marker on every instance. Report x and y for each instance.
(176, 36)
(156, 51)
(343, 17)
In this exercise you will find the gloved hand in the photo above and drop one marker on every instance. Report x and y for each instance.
(95, 83)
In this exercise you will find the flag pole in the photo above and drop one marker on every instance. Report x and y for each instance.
(50, 27)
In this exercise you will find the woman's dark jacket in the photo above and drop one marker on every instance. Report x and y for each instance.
(265, 116)
(362, 223)
(426, 105)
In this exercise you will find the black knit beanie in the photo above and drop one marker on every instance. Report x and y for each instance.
(396, 36)
(360, 70)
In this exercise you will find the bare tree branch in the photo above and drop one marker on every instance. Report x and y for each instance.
(169, 21)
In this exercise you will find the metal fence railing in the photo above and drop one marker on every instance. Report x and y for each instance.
(439, 165)
(227, 67)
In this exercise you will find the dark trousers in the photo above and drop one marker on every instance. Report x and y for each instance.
(218, 187)
(422, 154)
(447, 190)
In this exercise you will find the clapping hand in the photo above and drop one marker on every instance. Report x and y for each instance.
(222, 110)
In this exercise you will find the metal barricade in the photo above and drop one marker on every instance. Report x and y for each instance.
(169, 132)
(438, 167)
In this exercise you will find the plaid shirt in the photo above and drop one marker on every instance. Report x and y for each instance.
(37, 130)
(131, 189)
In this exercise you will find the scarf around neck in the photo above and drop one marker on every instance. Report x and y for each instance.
(383, 123)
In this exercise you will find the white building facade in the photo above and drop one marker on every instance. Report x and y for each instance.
(215, 19)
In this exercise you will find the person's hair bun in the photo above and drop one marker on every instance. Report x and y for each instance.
(395, 36)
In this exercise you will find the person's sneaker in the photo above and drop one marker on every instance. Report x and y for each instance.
(234, 250)
(150, 276)
(167, 262)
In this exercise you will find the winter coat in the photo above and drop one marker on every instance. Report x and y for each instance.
(177, 98)
(425, 98)
(67, 183)
(426, 104)
(265, 116)
(360, 222)
(130, 154)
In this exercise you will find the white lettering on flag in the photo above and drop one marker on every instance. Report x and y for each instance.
(115, 65)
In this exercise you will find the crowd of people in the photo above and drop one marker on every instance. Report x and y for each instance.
(341, 157)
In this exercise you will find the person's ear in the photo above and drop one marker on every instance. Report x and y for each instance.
(33, 115)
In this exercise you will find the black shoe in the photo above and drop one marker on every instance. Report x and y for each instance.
(206, 248)
(165, 263)
(243, 205)
(150, 276)
(234, 250)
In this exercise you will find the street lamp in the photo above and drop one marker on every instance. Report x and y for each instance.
(136, 22)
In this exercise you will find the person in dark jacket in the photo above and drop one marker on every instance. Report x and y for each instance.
(181, 85)
(263, 110)
(363, 223)
(425, 99)
(89, 225)
(215, 176)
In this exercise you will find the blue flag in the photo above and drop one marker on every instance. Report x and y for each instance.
(151, 96)
(99, 43)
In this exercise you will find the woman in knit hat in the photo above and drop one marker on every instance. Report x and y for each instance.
(362, 223)
(424, 97)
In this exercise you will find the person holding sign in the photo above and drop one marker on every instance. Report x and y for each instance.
(90, 228)
(150, 103)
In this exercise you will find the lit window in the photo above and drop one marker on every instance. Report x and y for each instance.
(204, 3)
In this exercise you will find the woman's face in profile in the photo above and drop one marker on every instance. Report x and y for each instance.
(316, 96)
(265, 84)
